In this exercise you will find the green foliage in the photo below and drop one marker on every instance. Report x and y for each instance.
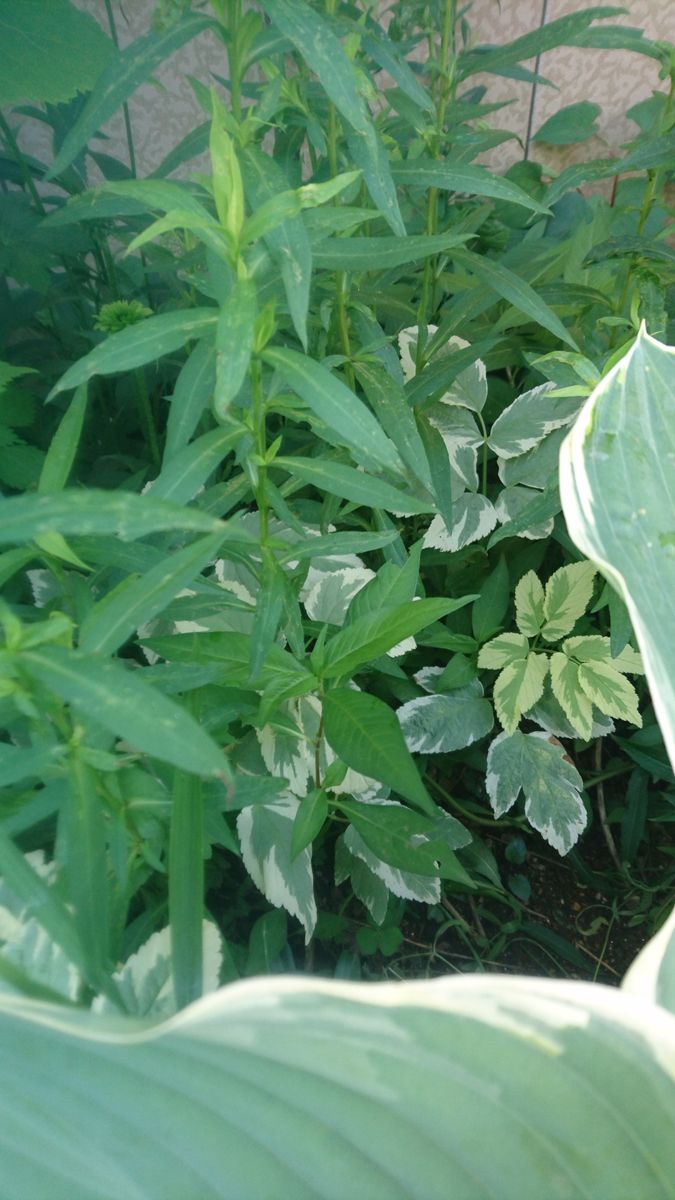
(280, 452)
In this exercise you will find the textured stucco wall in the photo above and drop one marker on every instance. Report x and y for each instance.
(164, 112)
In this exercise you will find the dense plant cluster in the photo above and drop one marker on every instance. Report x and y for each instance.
(293, 625)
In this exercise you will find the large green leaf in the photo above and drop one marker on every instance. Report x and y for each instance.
(139, 344)
(122, 702)
(510, 1088)
(49, 51)
(133, 66)
(617, 486)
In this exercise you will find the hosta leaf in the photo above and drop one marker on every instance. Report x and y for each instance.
(410, 841)
(440, 724)
(266, 835)
(568, 592)
(503, 651)
(518, 687)
(527, 421)
(529, 598)
(536, 764)
(405, 884)
(364, 733)
(610, 691)
(570, 695)
(474, 518)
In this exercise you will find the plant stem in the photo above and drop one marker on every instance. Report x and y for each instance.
(146, 417)
(260, 434)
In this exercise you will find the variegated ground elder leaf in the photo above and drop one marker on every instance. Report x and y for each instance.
(537, 765)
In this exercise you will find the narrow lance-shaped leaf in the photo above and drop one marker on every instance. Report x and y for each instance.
(369, 636)
(135, 64)
(182, 477)
(234, 343)
(457, 177)
(124, 514)
(364, 732)
(516, 291)
(191, 395)
(128, 707)
(186, 887)
(138, 344)
(340, 480)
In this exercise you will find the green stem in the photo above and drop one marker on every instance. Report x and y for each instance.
(146, 417)
(469, 816)
(260, 433)
(484, 459)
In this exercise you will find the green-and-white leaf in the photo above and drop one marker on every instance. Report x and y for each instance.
(512, 507)
(527, 421)
(570, 695)
(518, 687)
(266, 835)
(410, 840)
(599, 649)
(529, 598)
(442, 723)
(536, 763)
(610, 691)
(461, 436)
(375, 633)
(503, 651)
(474, 517)
(405, 884)
(145, 982)
(330, 593)
(568, 592)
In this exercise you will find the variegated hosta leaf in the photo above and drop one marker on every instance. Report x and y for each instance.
(518, 687)
(536, 764)
(145, 981)
(509, 505)
(462, 439)
(548, 714)
(529, 419)
(536, 468)
(328, 599)
(405, 884)
(474, 518)
(529, 598)
(570, 695)
(366, 885)
(568, 592)
(503, 651)
(265, 833)
(442, 723)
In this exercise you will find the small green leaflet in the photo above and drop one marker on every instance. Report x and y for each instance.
(529, 604)
(364, 733)
(410, 841)
(309, 820)
(138, 344)
(610, 691)
(372, 635)
(336, 405)
(518, 687)
(599, 649)
(128, 707)
(537, 764)
(570, 695)
(503, 651)
(442, 723)
(568, 593)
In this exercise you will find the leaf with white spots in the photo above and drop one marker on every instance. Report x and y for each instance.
(474, 518)
(462, 439)
(513, 501)
(529, 419)
(529, 604)
(518, 687)
(405, 884)
(536, 764)
(440, 724)
(568, 593)
(265, 833)
(332, 592)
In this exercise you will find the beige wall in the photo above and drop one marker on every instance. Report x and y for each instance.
(165, 112)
